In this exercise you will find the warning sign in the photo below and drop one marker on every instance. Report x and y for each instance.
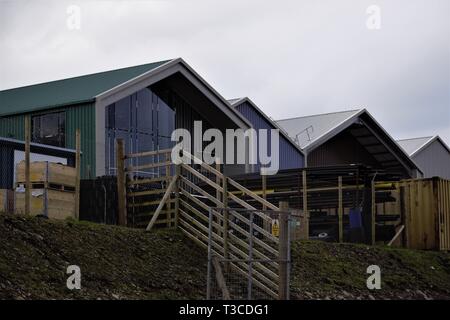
(275, 227)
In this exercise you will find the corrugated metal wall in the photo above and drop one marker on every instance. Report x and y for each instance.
(434, 161)
(6, 166)
(83, 117)
(80, 116)
(290, 157)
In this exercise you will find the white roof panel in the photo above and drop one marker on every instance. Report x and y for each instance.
(305, 130)
(414, 144)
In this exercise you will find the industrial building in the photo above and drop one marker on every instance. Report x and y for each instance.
(290, 154)
(432, 155)
(336, 169)
(349, 137)
(140, 104)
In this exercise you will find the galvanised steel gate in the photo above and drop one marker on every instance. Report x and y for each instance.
(251, 260)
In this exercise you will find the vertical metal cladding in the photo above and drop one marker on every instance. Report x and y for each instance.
(6, 166)
(434, 161)
(13, 127)
(290, 156)
(80, 116)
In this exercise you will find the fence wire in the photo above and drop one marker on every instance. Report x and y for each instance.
(251, 268)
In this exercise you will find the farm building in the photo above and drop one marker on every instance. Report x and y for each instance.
(13, 151)
(349, 137)
(290, 154)
(432, 155)
(141, 104)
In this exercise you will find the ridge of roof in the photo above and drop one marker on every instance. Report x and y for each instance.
(236, 102)
(417, 138)
(68, 91)
(86, 75)
(321, 114)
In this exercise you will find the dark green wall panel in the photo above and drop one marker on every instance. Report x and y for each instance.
(78, 116)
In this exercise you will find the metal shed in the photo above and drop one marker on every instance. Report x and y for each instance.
(349, 137)
(432, 155)
(140, 104)
(290, 154)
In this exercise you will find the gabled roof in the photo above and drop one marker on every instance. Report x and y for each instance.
(75, 90)
(307, 130)
(312, 131)
(414, 146)
(107, 87)
(238, 101)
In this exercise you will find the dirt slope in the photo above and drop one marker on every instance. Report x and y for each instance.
(341, 272)
(121, 263)
(115, 262)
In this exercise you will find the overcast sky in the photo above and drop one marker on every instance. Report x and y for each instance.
(292, 58)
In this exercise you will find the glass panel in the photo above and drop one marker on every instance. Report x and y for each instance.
(144, 111)
(110, 116)
(166, 119)
(122, 114)
(144, 121)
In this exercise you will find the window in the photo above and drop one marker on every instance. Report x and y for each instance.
(143, 121)
(50, 129)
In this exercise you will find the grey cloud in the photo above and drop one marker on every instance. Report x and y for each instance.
(291, 57)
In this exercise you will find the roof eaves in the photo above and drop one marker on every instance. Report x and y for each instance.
(137, 78)
(407, 156)
(333, 131)
(423, 146)
(170, 64)
(48, 107)
(427, 143)
(215, 92)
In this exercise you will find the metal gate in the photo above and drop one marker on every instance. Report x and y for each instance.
(251, 260)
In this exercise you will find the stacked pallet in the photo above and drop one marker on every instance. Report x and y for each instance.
(52, 190)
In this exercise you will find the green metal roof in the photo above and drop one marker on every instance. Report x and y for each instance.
(67, 91)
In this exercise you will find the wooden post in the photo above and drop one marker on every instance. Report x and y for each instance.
(372, 220)
(305, 201)
(27, 164)
(121, 192)
(168, 204)
(218, 179)
(177, 195)
(266, 224)
(226, 215)
(220, 279)
(283, 251)
(169, 190)
(78, 173)
(340, 211)
(264, 189)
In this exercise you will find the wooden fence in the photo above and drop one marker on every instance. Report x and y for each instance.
(425, 207)
(184, 195)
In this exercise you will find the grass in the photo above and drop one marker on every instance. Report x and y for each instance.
(123, 263)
